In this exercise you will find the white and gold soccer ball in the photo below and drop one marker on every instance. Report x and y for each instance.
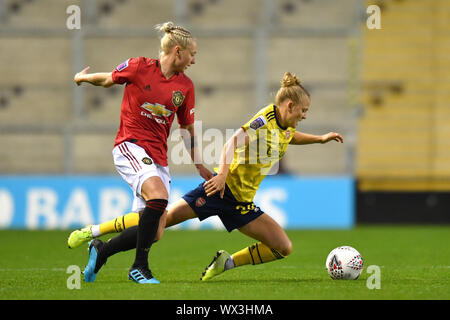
(344, 263)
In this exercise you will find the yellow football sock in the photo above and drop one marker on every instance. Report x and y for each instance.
(120, 223)
(255, 254)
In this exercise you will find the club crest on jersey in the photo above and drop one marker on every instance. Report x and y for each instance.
(147, 160)
(177, 98)
(157, 109)
(122, 66)
(288, 134)
(258, 122)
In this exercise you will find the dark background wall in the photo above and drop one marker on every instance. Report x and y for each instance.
(403, 207)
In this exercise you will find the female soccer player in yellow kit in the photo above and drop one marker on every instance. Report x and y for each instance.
(247, 157)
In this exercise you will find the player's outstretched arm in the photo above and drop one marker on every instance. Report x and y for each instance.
(305, 138)
(103, 79)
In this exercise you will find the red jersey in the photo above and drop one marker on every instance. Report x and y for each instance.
(149, 104)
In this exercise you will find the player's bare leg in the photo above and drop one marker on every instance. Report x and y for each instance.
(179, 212)
(266, 230)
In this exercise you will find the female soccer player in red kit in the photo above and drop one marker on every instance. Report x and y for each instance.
(156, 90)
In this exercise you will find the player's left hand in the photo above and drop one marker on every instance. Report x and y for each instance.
(332, 136)
(215, 184)
(204, 172)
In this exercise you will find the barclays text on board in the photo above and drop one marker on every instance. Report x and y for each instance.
(68, 202)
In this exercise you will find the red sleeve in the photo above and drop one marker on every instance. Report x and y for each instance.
(185, 114)
(126, 71)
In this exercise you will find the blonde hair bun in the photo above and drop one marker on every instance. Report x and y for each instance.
(291, 88)
(290, 80)
(165, 27)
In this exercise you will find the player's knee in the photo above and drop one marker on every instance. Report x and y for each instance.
(286, 248)
(153, 188)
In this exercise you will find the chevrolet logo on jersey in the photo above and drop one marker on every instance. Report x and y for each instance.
(157, 109)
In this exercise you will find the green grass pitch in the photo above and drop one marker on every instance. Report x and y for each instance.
(414, 263)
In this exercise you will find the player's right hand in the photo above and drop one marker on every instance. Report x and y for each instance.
(215, 184)
(78, 78)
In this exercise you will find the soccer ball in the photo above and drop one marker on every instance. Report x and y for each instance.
(344, 263)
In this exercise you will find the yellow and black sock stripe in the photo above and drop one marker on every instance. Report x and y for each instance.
(120, 223)
(277, 254)
(253, 249)
(256, 254)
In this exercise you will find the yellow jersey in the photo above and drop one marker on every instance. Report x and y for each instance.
(268, 142)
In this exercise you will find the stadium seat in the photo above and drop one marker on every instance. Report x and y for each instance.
(225, 107)
(102, 106)
(311, 14)
(29, 14)
(103, 54)
(223, 13)
(31, 152)
(402, 137)
(37, 105)
(134, 14)
(310, 58)
(92, 152)
(224, 61)
(49, 64)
